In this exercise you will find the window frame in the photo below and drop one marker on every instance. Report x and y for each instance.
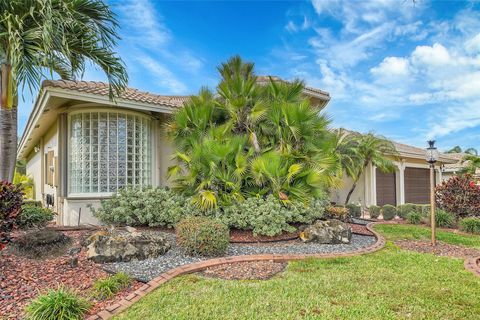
(125, 112)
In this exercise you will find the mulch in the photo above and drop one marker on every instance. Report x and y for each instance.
(254, 270)
(360, 229)
(21, 278)
(441, 249)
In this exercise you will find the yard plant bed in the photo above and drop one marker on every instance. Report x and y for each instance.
(404, 284)
(146, 270)
(389, 284)
(440, 249)
(254, 270)
(21, 279)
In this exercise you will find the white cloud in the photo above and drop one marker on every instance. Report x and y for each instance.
(164, 76)
(472, 45)
(150, 47)
(141, 18)
(436, 55)
(292, 27)
(391, 67)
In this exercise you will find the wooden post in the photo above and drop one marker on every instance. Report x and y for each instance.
(432, 203)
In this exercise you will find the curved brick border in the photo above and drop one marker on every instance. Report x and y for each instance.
(473, 265)
(123, 304)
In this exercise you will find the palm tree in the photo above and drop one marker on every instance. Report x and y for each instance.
(250, 139)
(369, 148)
(471, 151)
(472, 162)
(55, 35)
(456, 149)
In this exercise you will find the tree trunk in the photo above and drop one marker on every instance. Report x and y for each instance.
(350, 192)
(8, 123)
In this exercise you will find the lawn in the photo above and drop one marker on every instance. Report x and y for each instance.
(410, 232)
(389, 284)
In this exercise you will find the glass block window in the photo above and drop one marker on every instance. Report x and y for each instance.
(108, 151)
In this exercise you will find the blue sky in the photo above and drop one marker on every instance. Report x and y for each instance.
(409, 71)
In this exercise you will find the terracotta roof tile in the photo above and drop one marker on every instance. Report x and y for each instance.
(131, 94)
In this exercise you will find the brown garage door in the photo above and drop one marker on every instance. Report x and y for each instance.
(386, 193)
(417, 185)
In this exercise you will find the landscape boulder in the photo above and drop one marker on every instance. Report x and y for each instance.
(331, 231)
(116, 246)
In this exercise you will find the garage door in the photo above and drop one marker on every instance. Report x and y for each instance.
(417, 185)
(386, 193)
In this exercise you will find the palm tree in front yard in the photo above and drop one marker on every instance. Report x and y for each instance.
(368, 148)
(55, 36)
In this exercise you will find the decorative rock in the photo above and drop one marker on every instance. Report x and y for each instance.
(328, 232)
(116, 246)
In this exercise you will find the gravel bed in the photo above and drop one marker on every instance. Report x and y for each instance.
(146, 270)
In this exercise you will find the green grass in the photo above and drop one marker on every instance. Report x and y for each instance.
(397, 232)
(389, 284)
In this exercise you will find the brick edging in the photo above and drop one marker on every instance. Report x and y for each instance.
(126, 302)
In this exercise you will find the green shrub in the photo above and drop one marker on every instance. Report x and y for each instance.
(34, 216)
(108, 287)
(354, 210)
(404, 210)
(268, 216)
(60, 304)
(389, 212)
(443, 219)
(374, 211)
(337, 212)
(424, 209)
(414, 217)
(32, 203)
(202, 236)
(471, 225)
(144, 207)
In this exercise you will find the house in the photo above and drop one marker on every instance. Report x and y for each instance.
(410, 183)
(81, 147)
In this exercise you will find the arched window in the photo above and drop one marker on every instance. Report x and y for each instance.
(107, 151)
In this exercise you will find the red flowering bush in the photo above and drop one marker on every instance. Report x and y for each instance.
(459, 195)
(11, 199)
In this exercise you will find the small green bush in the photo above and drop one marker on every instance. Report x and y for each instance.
(424, 209)
(268, 216)
(108, 287)
(443, 219)
(144, 207)
(414, 217)
(337, 212)
(60, 304)
(471, 225)
(389, 212)
(202, 236)
(354, 210)
(404, 210)
(32, 203)
(34, 216)
(374, 211)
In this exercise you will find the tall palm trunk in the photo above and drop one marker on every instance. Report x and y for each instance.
(8, 123)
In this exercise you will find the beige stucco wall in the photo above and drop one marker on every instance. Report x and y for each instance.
(358, 196)
(68, 209)
(34, 170)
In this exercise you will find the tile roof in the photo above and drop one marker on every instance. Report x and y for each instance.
(460, 164)
(101, 88)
